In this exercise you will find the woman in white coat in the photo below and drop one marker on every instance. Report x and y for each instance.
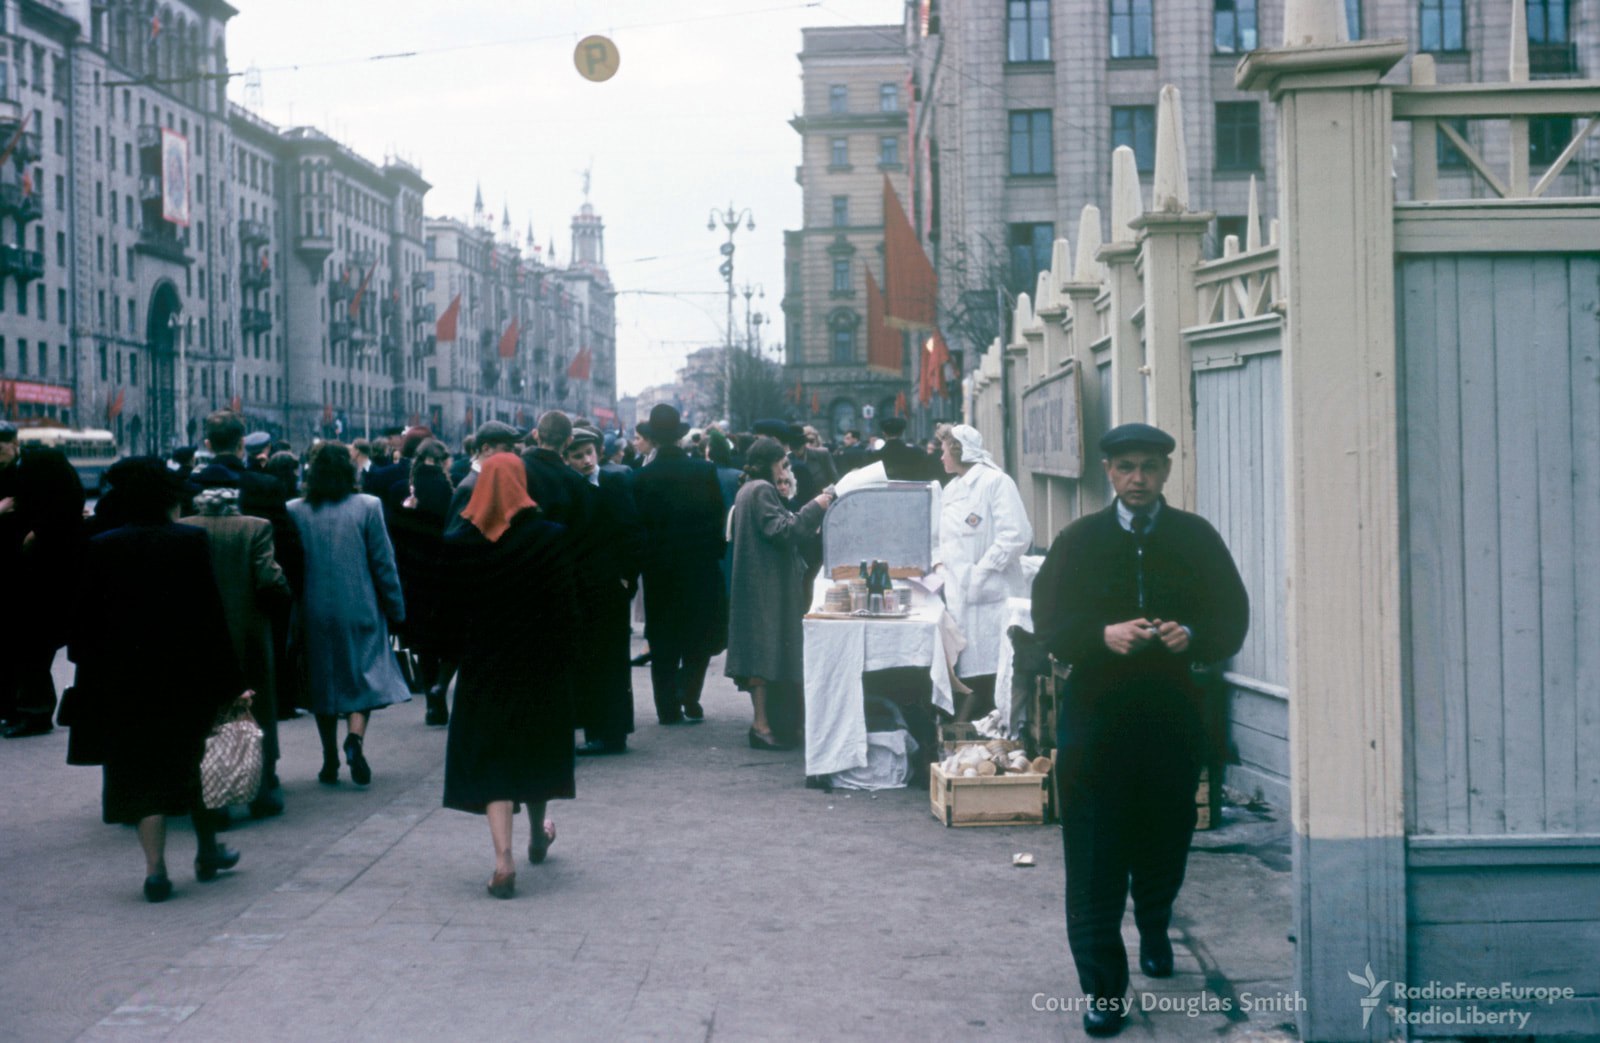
(983, 533)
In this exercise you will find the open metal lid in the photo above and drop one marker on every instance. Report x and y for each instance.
(893, 522)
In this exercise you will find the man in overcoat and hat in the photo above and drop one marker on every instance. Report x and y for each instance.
(685, 604)
(1132, 597)
(902, 462)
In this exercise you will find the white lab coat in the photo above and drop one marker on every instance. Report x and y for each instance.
(983, 533)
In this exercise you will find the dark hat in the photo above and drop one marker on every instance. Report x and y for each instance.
(493, 432)
(584, 436)
(664, 426)
(256, 441)
(893, 426)
(1125, 437)
(8, 431)
(778, 429)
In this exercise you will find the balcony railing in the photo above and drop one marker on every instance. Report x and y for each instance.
(339, 290)
(252, 276)
(253, 233)
(24, 206)
(362, 259)
(338, 330)
(424, 313)
(422, 280)
(24, 264)
(425, 345)
(149, 136)
(255, 320)
(164, 240)
(150, 188)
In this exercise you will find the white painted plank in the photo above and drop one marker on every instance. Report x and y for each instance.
(1448, 536)
(1516, 415)
(1584, 297)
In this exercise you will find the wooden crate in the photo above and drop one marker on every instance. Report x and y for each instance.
(957, 734)
(993, 800)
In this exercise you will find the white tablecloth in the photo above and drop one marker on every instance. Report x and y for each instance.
(1019, 612)
(838, 652)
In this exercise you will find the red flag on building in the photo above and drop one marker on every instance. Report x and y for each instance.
(581, 362)
(508, 341)
(114, 407)
(522, 417)
(155, 27)
(264, 263)
(930, 381)
(327, 412)
(797, 393)
(816, 403)
(355, 302)
(469, 415)
(27, 183)
(5, 153)
(911, 291)
(445, 328)
(900, 407)
(235, 405)
(883, 344)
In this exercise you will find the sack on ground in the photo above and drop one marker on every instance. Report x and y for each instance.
(230, 771)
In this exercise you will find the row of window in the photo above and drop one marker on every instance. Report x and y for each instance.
(1441, 26)
(839, 98)
(34, 360)
(888, 152)
(1238, 137)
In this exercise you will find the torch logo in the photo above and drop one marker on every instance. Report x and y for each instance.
(1374, 987)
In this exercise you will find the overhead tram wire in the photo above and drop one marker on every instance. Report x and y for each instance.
(421, 52)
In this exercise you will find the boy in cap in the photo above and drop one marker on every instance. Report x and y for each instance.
(1132, 597)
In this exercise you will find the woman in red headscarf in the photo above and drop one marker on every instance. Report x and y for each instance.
(511, 733)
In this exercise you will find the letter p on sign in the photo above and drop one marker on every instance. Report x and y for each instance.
(596, 58)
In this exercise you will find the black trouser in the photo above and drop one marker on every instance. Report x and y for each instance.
(607, 704)
(677, 676)
(34, 684)
(1128, 814)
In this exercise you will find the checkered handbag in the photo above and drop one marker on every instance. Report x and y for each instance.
(230, 771)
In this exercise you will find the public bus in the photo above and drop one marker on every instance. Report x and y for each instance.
(89, 451)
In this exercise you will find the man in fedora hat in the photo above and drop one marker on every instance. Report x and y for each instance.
(902, 462)
(1132, 597)
(685, 605)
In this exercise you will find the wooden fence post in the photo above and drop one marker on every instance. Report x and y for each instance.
(1342, 533)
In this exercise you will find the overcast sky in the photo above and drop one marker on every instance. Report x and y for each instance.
(696, 118)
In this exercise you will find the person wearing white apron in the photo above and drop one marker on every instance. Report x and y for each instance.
(983, 533)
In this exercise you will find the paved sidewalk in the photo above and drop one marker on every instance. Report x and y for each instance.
(697, 890)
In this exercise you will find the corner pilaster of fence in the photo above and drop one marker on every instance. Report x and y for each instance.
(1346, 726)
(1081, 288)
(1170, 237)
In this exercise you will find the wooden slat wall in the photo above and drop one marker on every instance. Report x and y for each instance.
(1500, 418)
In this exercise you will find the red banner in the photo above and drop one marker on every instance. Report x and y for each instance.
(911, 290)
(883, 344)
(14, 391)
(508, 341)
(445, 328)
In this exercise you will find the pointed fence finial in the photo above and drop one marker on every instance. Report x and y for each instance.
(1252, 221)
(1022, 318)
(1126, 201)
(1045, 292)
(1087, 269)
(1061, 264)
(1230, 246)
(1308, 23)
(1519, 41)
(1272, 232)
(1172, 157)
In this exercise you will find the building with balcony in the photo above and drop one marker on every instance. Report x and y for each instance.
(853, 134)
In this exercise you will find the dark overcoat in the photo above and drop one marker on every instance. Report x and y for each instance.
(155, 664)
(607, 577)
(769, 599)
(513, 628)
(681, 521)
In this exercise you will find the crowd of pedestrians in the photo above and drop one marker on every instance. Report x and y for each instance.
(500, 583)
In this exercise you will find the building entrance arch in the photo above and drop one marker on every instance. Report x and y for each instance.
(163, 327)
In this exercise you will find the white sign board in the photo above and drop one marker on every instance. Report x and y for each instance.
(1052, 436)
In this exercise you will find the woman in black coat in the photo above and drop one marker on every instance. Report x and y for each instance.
(512, 608)
(416, 528)
(145, 716)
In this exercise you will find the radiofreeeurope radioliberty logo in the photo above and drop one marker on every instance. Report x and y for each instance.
(1374, 996)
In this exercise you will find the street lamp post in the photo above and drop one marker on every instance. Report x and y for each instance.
(180, 328)
(729, 219)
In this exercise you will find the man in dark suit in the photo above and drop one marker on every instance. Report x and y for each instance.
(555, 487)
(901, 462)
(1132, 597)
(685, 605)
(852, 453)
(606, 586)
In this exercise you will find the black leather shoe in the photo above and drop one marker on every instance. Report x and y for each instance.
(761, 742)
(1155, 956)
(670, 722)
(438, 711)
(360, 770)
(1102, 1022)
(602, 748)
(28, 727)
(157, 888)
(207, 866)
(329, 775)
(694, 712)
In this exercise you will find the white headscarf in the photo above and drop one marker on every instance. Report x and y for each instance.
(972, 452)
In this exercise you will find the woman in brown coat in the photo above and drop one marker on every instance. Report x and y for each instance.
(768, 597)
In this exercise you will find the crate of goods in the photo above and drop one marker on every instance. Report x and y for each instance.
(956, 734)
(987, 800)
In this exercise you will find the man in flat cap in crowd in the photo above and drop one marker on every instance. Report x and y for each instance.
(902, 462)
(491, 438)
(1132, 597)
(685, 603)
(606, 586)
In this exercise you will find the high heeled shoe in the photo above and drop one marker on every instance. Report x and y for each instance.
(208, 864)
(360, 770)
(539, 845)
(503, 885)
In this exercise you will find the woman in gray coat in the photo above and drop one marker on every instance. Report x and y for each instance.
(768, 599)
(351, 597)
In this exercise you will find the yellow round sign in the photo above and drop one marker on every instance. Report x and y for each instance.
(596, 58)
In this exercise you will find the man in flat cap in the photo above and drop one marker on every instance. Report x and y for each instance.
(1132, 597)
(902, 462)
(491, 438)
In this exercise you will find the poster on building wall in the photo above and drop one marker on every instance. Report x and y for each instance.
(1052, 436)
(174, 177)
